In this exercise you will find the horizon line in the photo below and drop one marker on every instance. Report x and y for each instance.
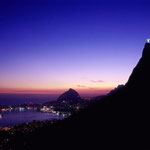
(90, 91)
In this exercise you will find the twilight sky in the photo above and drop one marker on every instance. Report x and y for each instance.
(48, 46)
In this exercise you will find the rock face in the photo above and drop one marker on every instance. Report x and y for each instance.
(139, 80)
(71, 96)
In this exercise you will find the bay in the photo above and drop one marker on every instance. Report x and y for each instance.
(17, 117)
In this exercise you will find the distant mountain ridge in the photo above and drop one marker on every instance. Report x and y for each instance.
(116, 89)
(70, 96)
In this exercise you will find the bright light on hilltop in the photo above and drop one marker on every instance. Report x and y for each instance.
(148, 40)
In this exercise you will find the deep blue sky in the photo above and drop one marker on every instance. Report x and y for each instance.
(53, 45)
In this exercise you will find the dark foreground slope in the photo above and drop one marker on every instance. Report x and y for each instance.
(120, 121)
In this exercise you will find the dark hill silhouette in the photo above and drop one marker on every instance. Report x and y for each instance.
(70, 96)
(140, 77)
(115, 90)
(118, 121)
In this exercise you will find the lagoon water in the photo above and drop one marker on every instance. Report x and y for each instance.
(17, 117)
